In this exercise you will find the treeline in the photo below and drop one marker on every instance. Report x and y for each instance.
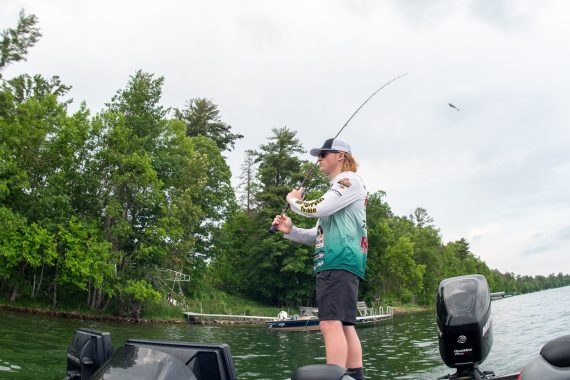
(103, 211)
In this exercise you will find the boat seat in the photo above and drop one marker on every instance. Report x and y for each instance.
(557, 351)
(320, 372)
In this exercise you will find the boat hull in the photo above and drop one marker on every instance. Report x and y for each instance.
(294, 325)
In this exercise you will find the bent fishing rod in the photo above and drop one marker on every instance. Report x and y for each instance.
(273, 228)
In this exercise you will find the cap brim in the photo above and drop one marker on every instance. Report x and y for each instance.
(315, 152)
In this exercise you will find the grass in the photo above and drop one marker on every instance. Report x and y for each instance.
(217, 302)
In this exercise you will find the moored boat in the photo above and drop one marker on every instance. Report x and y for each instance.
(298, 324)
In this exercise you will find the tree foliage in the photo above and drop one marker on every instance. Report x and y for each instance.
(14, 43)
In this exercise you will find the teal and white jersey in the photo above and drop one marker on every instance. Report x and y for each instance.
(340, 237)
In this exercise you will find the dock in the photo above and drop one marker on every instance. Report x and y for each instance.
(500, 295)
(370, 315)
(193, 316)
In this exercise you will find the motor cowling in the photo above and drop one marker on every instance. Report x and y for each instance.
(465, 329)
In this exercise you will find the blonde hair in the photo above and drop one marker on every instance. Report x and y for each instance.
(349, 164)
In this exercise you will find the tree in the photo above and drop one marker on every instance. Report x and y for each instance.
(216, 197)
(404, 276)
(84, 261)
(202, 118)
(15, 43)
(250, 260)
(421, 218)
(248, 182)
(136, 221)
(428, 251)
(380, 237)
(279, 168)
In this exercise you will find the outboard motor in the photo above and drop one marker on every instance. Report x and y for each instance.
(321, 372)
(465, 329)
(88, 350)
(553, 363)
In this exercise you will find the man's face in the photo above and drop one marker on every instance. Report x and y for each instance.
(329, 161)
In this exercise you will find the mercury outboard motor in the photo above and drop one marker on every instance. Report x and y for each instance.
(87, 352)
(465, 329)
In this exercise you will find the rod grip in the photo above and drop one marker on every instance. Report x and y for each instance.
(272, 229)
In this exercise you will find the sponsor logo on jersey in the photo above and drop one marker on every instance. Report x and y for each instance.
(320, 241)
(344, 182)
(308, 210)
(364, 244)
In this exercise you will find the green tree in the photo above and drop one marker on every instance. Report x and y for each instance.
(134, 215)
(248, 185)
(216, 197)
(84, 262)
(41, 173)
(404, 276)
(254, 262)
(380, 237)
(202, 118)
(14, 43)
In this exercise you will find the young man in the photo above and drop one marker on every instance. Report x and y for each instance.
(341, 244)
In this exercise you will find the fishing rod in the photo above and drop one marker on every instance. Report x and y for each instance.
(272, 229)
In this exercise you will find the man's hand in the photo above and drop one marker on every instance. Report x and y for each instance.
(296, 194)
(283, 223)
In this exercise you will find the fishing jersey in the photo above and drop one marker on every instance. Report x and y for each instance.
(340, 237)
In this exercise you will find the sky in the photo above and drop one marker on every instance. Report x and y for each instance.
(495, 172)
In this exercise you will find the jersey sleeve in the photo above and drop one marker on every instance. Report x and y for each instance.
(302, 235)
(342, 193)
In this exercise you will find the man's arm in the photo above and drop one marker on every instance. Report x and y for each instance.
(302, 235)
(343, 192)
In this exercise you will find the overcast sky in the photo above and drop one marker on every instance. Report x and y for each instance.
(496, 172)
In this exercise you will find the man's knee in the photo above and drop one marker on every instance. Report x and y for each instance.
(330, 326)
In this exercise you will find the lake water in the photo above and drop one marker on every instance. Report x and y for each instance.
(34, 347)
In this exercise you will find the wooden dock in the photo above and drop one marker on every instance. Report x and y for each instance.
(193, 316)
(369, 315)
(500, 295)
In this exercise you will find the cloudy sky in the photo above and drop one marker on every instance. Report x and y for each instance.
(496, 172)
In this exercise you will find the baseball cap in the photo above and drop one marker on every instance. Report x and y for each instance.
(333, 144)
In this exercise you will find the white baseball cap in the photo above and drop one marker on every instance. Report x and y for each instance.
(332, 145)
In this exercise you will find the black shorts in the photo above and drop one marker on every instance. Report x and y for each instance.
(337, 295)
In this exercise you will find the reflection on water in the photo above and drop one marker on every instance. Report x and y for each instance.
(35, 347)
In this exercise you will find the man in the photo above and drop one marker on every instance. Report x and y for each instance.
(341, 244)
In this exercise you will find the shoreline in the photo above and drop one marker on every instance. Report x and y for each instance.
(128, 320)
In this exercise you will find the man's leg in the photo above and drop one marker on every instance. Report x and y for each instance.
(354, 357)
(336, 346)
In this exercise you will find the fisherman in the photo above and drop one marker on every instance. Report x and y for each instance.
(341, 245)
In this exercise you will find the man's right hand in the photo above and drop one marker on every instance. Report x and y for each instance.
(283, 223)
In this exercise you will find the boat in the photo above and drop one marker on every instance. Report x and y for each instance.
(465, 337)
(308, 321)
